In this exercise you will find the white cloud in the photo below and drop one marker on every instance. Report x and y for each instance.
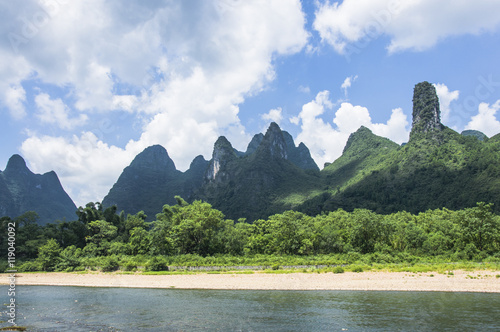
(486, 120)
(13, 70)
(86, 166)
(274, 115)
(56, 112)
(347, 84)
(326, 142)
(396, 128)
(445, 98)
(14, 99)
(304, 89)
(411, 25)
(186, 66)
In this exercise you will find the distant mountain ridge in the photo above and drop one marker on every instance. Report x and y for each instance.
(437, 168)
(233, 181)
(152, 181)
(21, 191)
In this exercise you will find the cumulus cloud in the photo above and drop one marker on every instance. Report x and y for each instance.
(446, 97)
(184, 66)
(56, 112)
(274, 115)
(86, 166)
(486, 120)
(326, 142)
(14, 99)
(411, 25)
(347, 84)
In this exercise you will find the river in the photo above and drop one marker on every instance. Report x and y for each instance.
(51, 308)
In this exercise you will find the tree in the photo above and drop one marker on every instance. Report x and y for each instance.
(140, 241)
(365, 229)
(480, 227)
(48, 255)
(29, 235)
(101, 234)
(137, 220)
(291, 233)
(194, 228)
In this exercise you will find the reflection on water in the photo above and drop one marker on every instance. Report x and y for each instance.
(48, 308)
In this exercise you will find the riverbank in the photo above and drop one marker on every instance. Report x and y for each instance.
(456, 281)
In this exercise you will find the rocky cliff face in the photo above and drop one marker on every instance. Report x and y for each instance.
(254, 143)
(273, 144)
(21, 191)
(245, 185)
(222, 155)
(426, 113)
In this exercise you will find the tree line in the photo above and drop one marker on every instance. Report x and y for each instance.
(113, 239)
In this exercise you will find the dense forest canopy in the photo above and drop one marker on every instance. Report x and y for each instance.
(104, 238)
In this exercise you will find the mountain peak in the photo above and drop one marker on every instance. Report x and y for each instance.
(153, 157)
(223, 153)
(426, 112)
(364, 141)
(362, 133)
(16, 163)
(475, 133)
(254, 143)
(22, 190)
(274, 142)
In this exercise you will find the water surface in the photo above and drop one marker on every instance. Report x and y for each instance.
(51, 308)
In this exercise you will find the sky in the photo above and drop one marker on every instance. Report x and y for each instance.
(86, 85)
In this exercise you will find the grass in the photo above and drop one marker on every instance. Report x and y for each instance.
(355, 262)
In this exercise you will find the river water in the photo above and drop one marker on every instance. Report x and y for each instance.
(50, 308)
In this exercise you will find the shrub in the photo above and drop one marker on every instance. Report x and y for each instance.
(156, 264)
(109, 264)
(338, 269)
(31, 266)
(357, 268)
(130, 266)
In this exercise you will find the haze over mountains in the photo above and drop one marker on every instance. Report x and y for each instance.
(21, 190)
(437, 168)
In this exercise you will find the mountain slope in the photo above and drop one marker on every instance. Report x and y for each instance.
(151, 181)
(437, 168)
(262, 182)
(21, 191)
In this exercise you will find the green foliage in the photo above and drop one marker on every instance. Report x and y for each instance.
(357, 268)
(453, 171)
(100, 235)
(69, 259)
(49, 255)
(480, 227)
(198, 235)
(109, 263)
(338, 269)
(30, 266)
(157, 264)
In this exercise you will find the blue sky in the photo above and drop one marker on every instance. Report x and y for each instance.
(87, 85)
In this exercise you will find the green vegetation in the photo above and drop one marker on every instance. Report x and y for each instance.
(196, 234)
(445, 169)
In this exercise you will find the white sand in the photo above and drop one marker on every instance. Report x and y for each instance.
(461, 281)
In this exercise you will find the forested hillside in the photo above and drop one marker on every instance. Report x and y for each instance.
(196, 234)
(437, 168)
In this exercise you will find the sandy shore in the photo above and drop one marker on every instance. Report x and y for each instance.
(460, 281)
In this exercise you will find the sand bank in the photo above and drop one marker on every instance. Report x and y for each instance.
(460, 281)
